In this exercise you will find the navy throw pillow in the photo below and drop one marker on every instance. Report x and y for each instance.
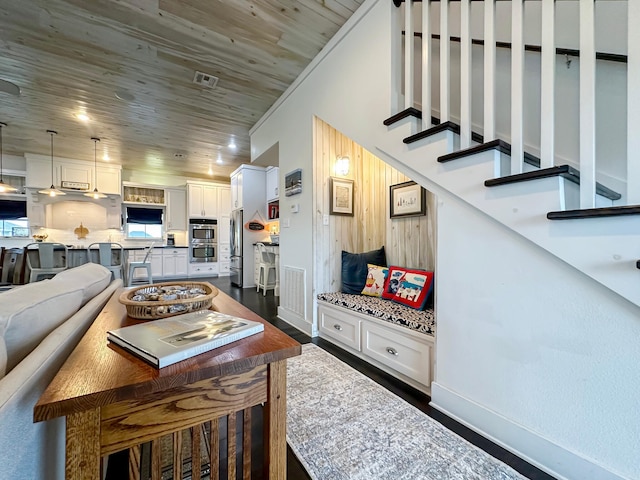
(355, 269)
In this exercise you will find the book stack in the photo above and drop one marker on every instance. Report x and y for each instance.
(171, 340)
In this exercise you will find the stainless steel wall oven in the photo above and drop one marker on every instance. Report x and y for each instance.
(203, 240)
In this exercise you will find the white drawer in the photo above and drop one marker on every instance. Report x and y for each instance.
(341, 327)
(205, 269)
(224, 248)
(403, 353)
(224, 268)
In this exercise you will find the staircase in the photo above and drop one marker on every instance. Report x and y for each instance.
(558, 193)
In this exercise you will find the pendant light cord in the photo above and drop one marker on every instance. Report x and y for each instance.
(51, 133)
(1, 125)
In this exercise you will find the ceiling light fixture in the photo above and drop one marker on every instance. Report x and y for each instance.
(95, 194)
(210, 170)
(232, 144)
(4, 187)
(83, 117)
(52, 191)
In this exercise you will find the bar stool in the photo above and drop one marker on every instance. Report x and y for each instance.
(42, 261)
(266, 265)
(110, 255)
(145, 263)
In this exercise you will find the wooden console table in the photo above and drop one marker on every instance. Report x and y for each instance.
(114, 401)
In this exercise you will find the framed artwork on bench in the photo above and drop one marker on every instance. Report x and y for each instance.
(407, 199)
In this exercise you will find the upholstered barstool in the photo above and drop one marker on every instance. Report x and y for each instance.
(266, 265)
(45, 259)
(109, 255)
(145, 263)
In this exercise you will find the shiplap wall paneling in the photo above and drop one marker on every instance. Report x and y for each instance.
(408, 241)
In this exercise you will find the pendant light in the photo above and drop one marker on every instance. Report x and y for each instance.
(52, 191)
(4, 187)
(95, 194)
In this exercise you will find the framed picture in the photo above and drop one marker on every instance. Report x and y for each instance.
(293, 183)
(341, 199)
(407, 199)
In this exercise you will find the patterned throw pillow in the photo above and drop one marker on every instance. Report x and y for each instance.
(414, 288)
(375, 280)
(392, 282)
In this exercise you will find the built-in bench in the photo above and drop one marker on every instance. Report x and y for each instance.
(391, 336)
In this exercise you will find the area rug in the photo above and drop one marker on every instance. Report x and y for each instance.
(343, 426)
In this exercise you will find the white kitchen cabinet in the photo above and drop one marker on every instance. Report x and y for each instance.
(176, 199)
(224, 258)
(74, 172)
(272, 180)
(174, 263)
(202, 200)
(203, 269)
(236, 190)
(224, 201)
(78, 171)
(109, 179)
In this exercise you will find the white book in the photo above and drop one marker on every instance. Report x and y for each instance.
(170, 340)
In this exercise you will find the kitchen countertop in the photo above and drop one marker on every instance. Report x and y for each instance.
(141, 247)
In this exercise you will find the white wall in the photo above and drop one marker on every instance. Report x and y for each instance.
(525, 342)
(529, 338)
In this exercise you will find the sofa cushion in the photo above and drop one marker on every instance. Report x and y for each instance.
(354, 268)
(91, 277)
(31, 312)
(3, 357)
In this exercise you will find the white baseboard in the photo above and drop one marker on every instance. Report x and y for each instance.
(295, 321)
(526, 444)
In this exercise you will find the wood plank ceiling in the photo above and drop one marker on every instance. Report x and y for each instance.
(129, 66)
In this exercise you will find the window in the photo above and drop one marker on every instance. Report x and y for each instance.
(13, 218)
(144, 222)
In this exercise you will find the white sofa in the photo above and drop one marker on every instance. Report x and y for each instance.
(40, 324)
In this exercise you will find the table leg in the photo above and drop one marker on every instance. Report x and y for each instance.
(275, 422)
(83, 446)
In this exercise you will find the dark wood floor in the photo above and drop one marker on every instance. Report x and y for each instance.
(267, 308)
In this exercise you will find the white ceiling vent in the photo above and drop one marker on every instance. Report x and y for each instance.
(205, 80)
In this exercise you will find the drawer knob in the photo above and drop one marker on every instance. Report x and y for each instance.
(392, 351)
(337, 327)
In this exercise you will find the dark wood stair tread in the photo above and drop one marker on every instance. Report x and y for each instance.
(595, 212)
(565, 171)
(497, 144)
(409, 112)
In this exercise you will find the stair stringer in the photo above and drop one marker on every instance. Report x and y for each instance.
(605, 249)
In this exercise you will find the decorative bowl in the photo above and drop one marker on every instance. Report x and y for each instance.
(166, 299)
(40, 237)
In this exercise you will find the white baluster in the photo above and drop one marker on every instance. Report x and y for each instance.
(547, 85)
(445, 64)
(465, 74)
(426, 64)
(587, 104)
(397, 100)
(517, 85)
(633, 105)
(489, 130)
(409, 66)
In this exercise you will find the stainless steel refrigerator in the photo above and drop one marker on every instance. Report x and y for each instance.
(235, 267)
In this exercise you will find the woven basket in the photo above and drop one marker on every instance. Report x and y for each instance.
(150, 310)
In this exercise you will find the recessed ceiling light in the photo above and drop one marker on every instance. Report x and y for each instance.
(232, 144)
(124, 95)
(219, 161)
(83, 117)
(210, 171)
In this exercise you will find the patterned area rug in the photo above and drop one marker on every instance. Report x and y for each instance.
(344, 426)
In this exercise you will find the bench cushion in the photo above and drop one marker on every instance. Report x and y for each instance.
(422, 321)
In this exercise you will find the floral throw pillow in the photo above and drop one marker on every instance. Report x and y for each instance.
(374, 283)
(414, 288)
